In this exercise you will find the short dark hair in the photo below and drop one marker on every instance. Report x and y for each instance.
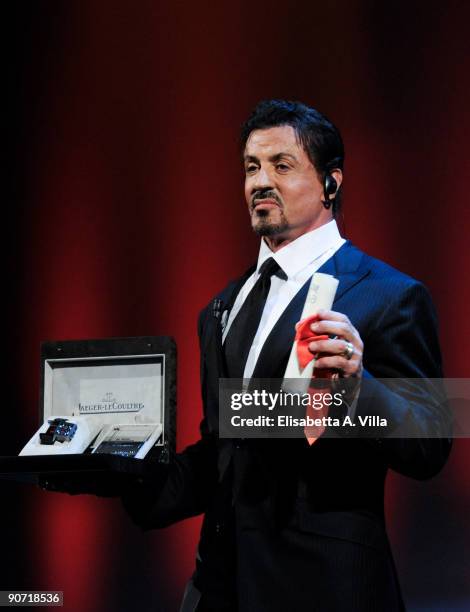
(319, 137)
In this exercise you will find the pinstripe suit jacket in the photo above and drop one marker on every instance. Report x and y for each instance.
(307, 530)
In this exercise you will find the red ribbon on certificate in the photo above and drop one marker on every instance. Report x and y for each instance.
(303, 336)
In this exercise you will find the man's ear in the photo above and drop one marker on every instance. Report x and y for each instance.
(337, 174)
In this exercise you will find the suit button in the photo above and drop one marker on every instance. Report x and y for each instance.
(217, 528)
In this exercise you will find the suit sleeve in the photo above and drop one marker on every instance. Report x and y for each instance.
(402, 384)
(181, 489)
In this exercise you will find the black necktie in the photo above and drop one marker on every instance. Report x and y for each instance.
(245, 325)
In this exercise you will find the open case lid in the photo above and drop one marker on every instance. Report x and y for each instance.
(125, 381)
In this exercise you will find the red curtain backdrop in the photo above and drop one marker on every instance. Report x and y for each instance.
(127, 215)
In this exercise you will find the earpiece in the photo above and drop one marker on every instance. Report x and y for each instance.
(330, 186)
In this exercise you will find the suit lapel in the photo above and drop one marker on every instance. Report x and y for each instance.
(348, 266)
(221, 307)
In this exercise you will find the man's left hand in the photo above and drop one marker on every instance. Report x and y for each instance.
(334, 351)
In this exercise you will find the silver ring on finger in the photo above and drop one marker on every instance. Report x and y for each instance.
(349, 350)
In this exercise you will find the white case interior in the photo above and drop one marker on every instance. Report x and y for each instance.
(111, 399)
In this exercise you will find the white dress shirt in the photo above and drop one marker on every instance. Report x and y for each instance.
(299, 260)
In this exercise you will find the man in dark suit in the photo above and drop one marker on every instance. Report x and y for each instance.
(289, 524)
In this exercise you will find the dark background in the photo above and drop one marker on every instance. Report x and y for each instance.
(127, 215)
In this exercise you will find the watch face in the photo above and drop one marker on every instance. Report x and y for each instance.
(59, 430)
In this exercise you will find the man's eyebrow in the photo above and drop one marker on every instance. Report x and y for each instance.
(273, 158)
(279, 156)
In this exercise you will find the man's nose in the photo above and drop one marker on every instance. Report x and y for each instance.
(263, 180)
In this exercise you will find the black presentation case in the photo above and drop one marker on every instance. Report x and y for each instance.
(102, 370)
